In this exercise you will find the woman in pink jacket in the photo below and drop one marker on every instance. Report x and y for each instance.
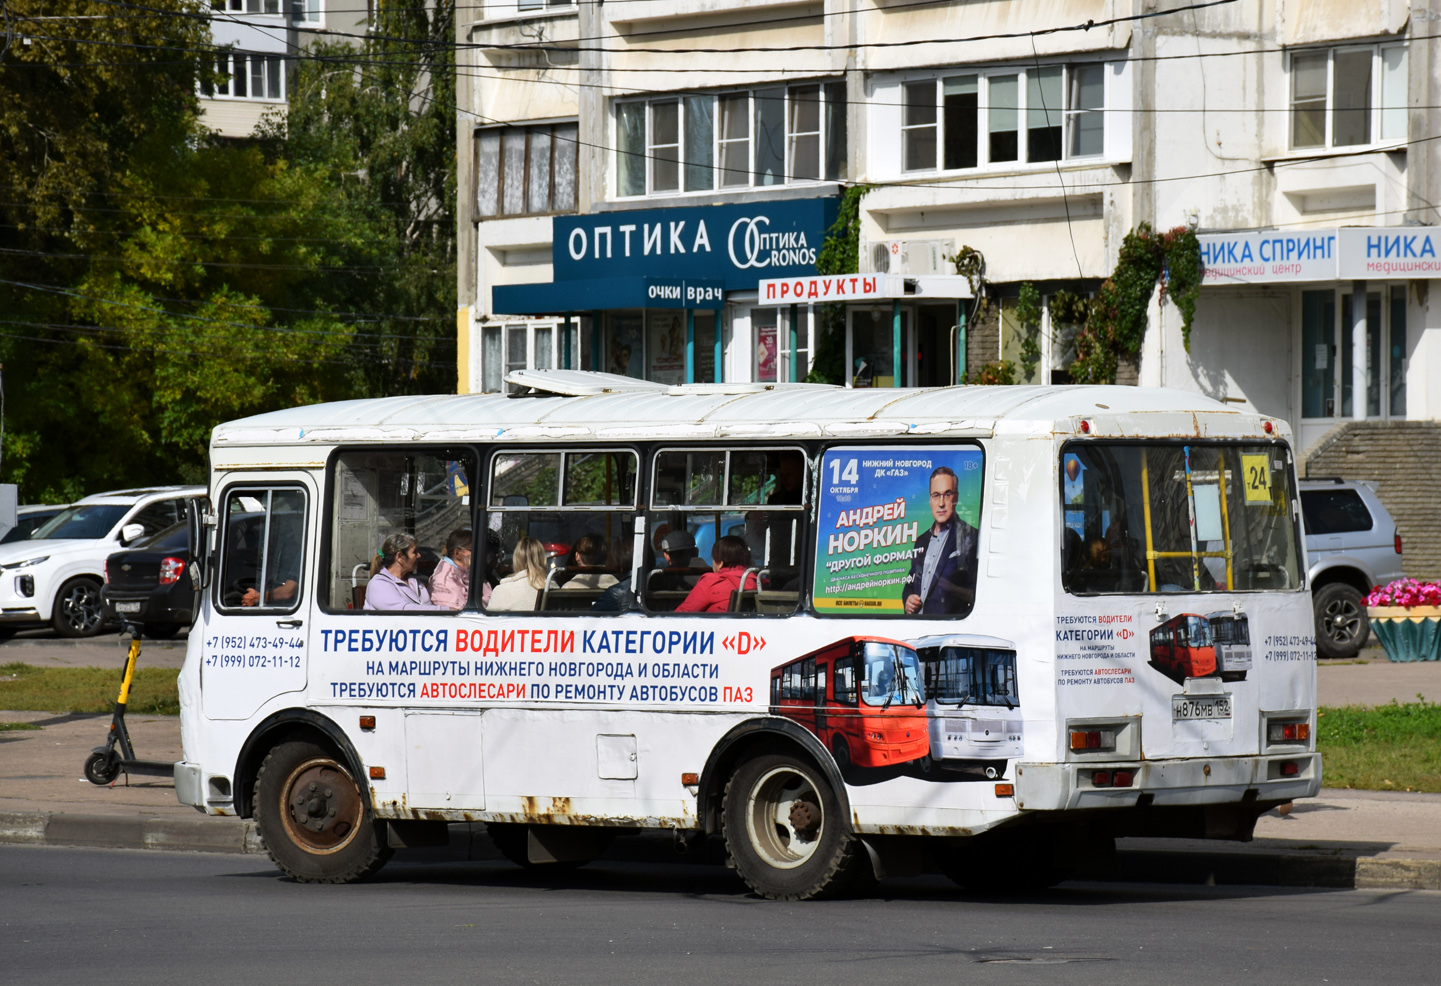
(450, 582)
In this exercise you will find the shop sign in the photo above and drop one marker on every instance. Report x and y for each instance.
(1389, 252)
(831, 287)
(736, 244)
(1268, 257)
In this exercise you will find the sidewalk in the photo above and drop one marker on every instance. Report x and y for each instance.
(1363, 839)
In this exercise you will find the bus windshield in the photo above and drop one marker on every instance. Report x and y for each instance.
(973, 676)
(1177, 517)
(882, 685)
(1198, 632)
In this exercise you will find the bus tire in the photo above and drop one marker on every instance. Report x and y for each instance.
(313, 818)
(785, 831)
(841, 752)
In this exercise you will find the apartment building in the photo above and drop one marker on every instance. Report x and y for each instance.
(636, 181)
(262, 36)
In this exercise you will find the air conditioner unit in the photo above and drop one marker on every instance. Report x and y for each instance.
(911, 257)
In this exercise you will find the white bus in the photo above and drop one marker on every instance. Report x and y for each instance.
(319, 699)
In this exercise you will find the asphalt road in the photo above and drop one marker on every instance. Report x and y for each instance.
(74, 915)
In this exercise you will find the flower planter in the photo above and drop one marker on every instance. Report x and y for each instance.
(1408, 633)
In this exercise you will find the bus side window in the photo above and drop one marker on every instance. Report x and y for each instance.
(756, 499)
(377, 493)
(263, 550)
(561, 531)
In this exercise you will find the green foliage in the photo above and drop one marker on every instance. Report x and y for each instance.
(157, 281)
(1389, 747)
(997, 372)
(1116, 323)
(970, 263)
(839, 254)
(1028, 314)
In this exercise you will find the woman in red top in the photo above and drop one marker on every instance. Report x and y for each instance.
(712, 594)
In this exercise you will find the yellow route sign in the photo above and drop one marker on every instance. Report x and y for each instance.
(1256, 470)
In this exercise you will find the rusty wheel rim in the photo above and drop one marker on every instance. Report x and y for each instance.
(321, 807)
(784, 818)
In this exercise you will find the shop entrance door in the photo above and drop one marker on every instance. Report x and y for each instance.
(935, 363)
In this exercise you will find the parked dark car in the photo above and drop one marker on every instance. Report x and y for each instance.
(28, 518)
(153, 583)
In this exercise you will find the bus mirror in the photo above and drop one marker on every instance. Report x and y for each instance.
(197, 541)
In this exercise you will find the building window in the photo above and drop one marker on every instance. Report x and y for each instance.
(1063, 108)
(247, 75)
(526, 346)
(1336, 100)
(540, 4)
(1327, 353)
(525, 171)
(249, 6)
(305, 10)
(773, 136)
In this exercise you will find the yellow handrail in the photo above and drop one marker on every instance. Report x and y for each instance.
(1146, 509)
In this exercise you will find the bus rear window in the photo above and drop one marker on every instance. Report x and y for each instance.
(1177, 517)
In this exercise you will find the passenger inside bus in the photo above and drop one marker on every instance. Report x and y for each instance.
(715, 591)
(520, 590)
(450, 582)
(586, 567)
(620, 597)
(395, 586)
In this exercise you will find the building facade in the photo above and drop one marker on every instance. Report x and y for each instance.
(262, 37)
(1293, 135)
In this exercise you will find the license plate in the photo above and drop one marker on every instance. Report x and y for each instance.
(127, 607)
(1200, 707)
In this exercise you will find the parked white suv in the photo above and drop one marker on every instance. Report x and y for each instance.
(1351, 545)
(54, 576)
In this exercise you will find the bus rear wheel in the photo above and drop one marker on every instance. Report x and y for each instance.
(785, 831)
(313, 817)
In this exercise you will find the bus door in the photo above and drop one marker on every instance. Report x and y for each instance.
(255, 628)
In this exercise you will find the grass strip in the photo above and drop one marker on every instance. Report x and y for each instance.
(1392, 747)
(26, 688)
(15, 727)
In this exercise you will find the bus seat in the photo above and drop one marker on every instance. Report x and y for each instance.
(777, 601)
(743, 601)
(357, 596)
(569, 600)
(665, 600)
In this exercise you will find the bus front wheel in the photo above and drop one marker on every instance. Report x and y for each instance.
(785, 831)
(313, 818)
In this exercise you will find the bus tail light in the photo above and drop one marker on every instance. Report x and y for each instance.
(1288, 732)
(1123, 778)
(1005, 790)
(1289, 768)
(1093, 739)
(1101, 778)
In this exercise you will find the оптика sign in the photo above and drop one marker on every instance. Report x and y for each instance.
(738, 244)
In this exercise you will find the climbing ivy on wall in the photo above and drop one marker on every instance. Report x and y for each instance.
(840, 253)
(1115, 324)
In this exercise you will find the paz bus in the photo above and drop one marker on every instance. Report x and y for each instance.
(972, 706)
(861, 697)
(1067, 521)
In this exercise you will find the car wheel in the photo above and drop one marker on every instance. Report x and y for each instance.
(1341, 622)
(78, 610)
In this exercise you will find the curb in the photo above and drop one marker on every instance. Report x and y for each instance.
(43, 828)
(237, 835)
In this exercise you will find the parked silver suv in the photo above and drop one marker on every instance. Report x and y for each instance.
(1351, 545)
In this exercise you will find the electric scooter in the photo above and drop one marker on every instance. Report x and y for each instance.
(106, 762)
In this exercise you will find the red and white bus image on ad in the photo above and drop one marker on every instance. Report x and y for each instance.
(1193, 646)
(862, 697)
(973, 710)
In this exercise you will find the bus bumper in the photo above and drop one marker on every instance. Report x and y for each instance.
(1214, 781)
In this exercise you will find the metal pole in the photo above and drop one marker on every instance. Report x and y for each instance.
(960, 364)
(896, 362)
(718, 345)
(1359, 351)
(690, 345)
(795, 315)
(595, 363)
(566, 362)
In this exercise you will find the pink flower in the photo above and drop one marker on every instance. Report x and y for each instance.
(1407, 593)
